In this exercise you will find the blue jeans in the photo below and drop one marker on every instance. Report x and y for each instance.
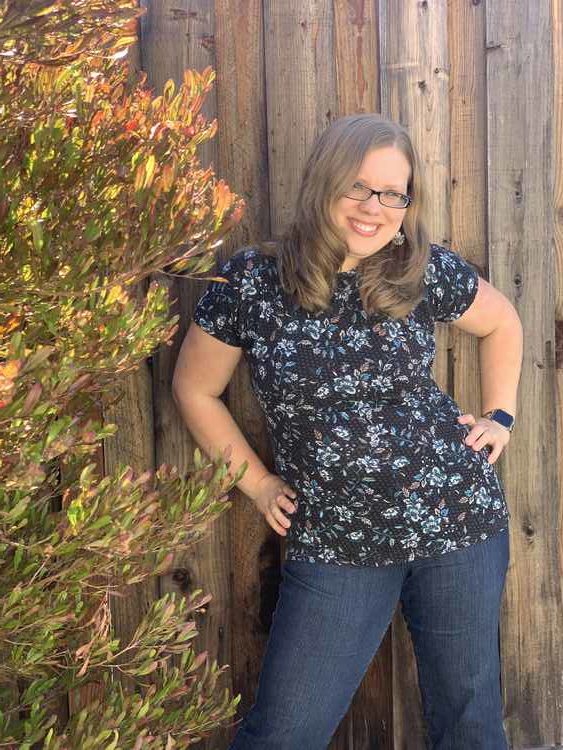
(329, 621)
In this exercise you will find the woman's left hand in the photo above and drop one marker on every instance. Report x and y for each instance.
(485, 431)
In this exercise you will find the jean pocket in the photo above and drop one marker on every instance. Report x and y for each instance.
(310, 576)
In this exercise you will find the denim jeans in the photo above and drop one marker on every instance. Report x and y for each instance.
(327, 626)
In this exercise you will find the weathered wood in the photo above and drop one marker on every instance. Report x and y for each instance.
(520, 153)
(557, 161)
(176, 35)
(356, 41)
(133, 444)
(300, 91)
(414, 91)
(243, 161)
(468, 185)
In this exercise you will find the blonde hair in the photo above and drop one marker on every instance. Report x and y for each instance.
(312, 251)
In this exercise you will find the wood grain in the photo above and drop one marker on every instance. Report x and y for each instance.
(356, 41)
(133, 444)
(520, 164)
(300, 91)
(243, 162)
(176, 35)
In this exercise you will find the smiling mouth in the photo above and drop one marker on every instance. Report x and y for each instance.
(366, 230)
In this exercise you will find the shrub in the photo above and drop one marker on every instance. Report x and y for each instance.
(100, 187)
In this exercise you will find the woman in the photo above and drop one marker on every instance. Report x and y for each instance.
(385, 491)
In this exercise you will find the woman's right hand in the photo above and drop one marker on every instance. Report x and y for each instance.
(271, 496)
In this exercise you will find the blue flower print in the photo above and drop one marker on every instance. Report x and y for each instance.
(399, 462)
(356, 339)
(431, 525)
(327, 456)
(313, 329)
(368, 463)
(347, 385)
(482, 498)
(342, 432)
(415, 510)
(248, 289)
(285, 347)
(343, 513)
(260, 349)
(356, 535)
(436, 477)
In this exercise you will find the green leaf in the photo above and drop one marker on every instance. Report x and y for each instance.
(37, 234)
(75, 513)
(143, 711)
(147, 668)
(18, 510)
(55, 429)
(149, 171)
(18, 557)
(101, 522)
(92, 231)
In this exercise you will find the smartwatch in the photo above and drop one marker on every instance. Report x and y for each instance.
(502, 417)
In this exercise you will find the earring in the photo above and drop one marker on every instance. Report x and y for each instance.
(398, 239)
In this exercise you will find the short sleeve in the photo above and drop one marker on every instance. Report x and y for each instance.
(217, 311)
(452, 283)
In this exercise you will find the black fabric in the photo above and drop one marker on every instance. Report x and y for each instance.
(359, 427)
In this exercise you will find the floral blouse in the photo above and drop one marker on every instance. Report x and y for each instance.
(359, 427)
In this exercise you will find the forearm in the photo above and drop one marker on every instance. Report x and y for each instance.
(500, 362)
(213, 428)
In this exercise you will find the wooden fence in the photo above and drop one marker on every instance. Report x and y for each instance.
(479, 86)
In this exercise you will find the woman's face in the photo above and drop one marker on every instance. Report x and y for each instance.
(367, 226)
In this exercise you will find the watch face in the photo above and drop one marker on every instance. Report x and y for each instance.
(502, 417)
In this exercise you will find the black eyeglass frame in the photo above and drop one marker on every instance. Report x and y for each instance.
(378, 193)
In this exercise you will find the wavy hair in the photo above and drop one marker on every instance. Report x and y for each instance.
(310, 254)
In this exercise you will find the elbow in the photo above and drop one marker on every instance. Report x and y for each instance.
(515, 320)
(509, 318)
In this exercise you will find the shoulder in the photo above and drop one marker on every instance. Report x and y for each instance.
(444, 260)
(452, 282)
(247, 264)
(447, 264)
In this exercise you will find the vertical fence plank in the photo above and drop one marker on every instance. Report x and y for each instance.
(301, 93)
(414, 91)
(133, 445)
(179, 34)
(468, 182)
(521, 181)
(557, 36)
(356, 42)
(243, 163)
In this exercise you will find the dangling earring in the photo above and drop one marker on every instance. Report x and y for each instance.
(398, 239)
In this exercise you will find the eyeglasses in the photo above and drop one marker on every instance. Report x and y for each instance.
(389, 198)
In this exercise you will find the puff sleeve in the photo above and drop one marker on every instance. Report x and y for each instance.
(218, 311)
(452, 283)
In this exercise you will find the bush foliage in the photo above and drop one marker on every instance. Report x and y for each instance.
(100, 187)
